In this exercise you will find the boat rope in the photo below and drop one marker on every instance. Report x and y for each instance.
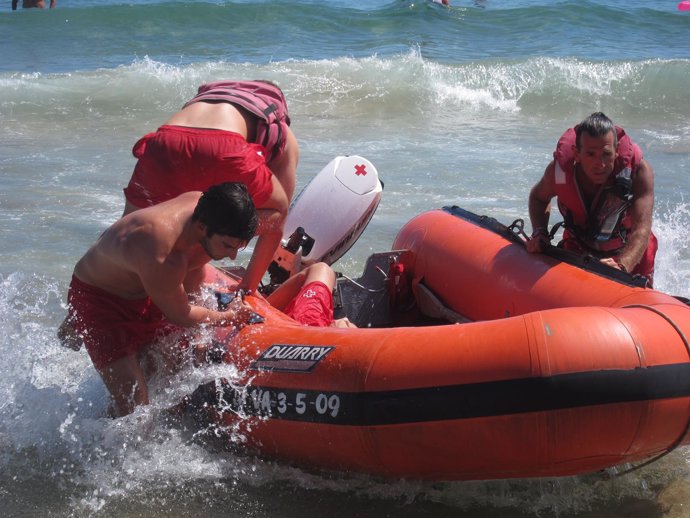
(361, 286)
(517, 227)
(668, 319)
(685, 434)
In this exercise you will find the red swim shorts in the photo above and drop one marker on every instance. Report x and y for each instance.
(177, 159)
(313, 305)
(113, 327)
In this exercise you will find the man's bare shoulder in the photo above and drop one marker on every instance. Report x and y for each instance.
(114, 261)
(545, 188)
(153, 233)
(644, 173)
(148, 236)
(159, 223)
(145, 246)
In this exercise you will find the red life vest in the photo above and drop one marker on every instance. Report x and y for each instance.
(604, 225)
(260, 98)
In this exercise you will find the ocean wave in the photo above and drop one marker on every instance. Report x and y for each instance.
(376, 86)
(109, 34)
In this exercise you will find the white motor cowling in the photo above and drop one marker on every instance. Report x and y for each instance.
(328, 215)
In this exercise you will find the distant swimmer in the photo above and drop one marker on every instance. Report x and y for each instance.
(28, 4)
(442, 2)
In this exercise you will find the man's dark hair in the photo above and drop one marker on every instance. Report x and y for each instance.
(228, 210)
(596, 125)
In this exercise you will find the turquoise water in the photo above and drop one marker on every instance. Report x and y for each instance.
(454, 106)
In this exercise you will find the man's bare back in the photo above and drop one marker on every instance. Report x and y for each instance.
(155, 236)
(222, 116)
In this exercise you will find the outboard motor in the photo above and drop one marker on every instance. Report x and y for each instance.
(327, 217)
(287, 258)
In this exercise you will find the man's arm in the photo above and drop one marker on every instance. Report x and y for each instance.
(284, 166)
(641, 214)
(163, 281)
(169, 295)
(264, 250)
(272, 215)
(539, 206)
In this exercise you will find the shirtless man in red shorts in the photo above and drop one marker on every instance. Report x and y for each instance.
(132, 285)
(230, 131)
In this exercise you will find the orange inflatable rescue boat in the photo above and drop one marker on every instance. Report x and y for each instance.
(473, 360)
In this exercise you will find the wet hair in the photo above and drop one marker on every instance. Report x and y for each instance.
(228, 210)
(596, 125)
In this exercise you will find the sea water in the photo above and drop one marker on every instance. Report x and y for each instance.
(459, 105)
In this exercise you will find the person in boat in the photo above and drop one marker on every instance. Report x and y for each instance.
(230, 131)
(605, 192)
(307, 297)
(132, 286)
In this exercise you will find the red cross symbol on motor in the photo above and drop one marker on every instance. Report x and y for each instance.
(361, 170)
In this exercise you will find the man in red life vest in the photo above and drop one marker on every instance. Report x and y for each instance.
(231, 131)
(605, 192)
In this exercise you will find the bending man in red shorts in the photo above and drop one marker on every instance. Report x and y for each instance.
(234, 131)
(308, 297)
(132, 285)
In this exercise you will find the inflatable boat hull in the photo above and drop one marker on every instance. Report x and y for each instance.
(559, 371)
